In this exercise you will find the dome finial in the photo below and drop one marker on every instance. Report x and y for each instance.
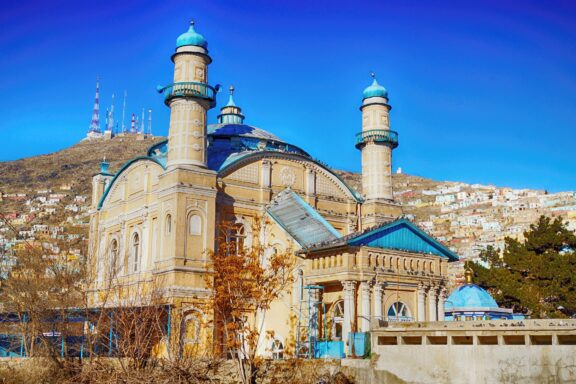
(373, 75)
(468, 273)
(191, 37)
(104, 166)
(231, 90)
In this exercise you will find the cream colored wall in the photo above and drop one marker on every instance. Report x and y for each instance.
(246, 186)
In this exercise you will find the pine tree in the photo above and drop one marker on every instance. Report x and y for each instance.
(536, 276)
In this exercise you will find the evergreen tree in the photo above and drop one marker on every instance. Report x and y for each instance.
(536, 276)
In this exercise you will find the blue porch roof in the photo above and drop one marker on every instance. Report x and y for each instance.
(402, 235)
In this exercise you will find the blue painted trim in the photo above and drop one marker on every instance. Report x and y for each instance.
(354, 194)
(445, 252)
(124, 167)
(150, 152)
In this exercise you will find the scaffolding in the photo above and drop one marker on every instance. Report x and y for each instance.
(312, 309)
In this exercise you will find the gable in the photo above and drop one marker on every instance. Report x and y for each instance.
(402, 235)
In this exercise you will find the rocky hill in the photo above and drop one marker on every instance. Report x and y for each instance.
(71, 167)
(55, 189)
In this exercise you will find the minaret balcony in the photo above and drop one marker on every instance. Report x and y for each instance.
(377, 136)
(188, 90)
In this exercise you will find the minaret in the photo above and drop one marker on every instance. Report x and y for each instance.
(230, 113)
(150, 122)
(187, 188)
(94, 130)
(376, 142)
(189, 99)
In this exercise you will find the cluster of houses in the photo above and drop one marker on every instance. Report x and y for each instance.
(470, 217)
(42, 218)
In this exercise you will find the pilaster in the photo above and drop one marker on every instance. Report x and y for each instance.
(365, 299)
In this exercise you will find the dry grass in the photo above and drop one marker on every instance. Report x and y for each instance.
(75, 165)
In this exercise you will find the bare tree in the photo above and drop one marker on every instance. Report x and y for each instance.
(245, 282)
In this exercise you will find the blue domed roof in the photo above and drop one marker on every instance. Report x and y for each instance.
(375, 90)
(191, 37)
(470, 296)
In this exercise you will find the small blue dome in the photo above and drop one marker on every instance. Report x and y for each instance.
(375, 90)
(191, 37)
(470, 296)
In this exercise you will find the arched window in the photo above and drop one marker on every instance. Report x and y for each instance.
(399, 312)
(277, 349)
(190, 329)
(135, 251)
(337, 320)
(237, 237)
(195, 224)
(168, 224)
(113, 259)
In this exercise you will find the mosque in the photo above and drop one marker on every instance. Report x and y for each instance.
(155, 219)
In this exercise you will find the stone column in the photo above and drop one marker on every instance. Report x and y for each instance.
(432, 304)
(441, 300)
(421, 302)
(365, 297)
(378, 293)
(313, 311)
(349, 310)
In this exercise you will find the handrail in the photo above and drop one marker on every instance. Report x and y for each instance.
(188, 89)
(377, 136)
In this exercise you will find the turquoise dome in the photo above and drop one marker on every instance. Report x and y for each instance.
(191, 37)
(375, 90)
(470, 296)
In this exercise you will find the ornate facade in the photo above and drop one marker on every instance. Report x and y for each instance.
(155, 220)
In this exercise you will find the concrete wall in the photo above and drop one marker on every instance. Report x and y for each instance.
(475, 363)
(482, 352)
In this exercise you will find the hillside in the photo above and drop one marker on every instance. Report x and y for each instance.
(72, 166)
(55, 189)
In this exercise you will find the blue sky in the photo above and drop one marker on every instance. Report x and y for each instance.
(482, 91)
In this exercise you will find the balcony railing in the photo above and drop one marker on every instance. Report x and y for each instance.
(188, 89)
(377, 136)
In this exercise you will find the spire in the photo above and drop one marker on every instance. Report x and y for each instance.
(133, 124)
(150, 122)
(468, 273)
(124, 112)
(142, 122)
(231, 98)
(95, 123)
(230, 113)
(110, 118)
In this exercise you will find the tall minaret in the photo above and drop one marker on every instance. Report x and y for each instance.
(94, 130)
(189, 99)
(230, 113)
(376, 142)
